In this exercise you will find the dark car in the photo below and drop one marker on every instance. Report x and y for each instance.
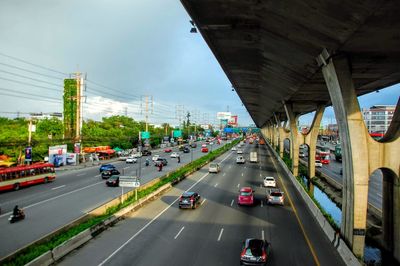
(146, 153)
(160, 160)
(254, 252)
(104, 167)
(186, 150)
(107, 173)
(113, 181)
(189, 200)
(193, 145)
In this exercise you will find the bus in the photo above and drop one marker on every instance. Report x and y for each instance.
(14, 178)
(323, 154)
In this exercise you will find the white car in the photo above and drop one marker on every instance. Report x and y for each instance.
(302, 155)
(318, 163)
(131, 159)
(269, 181)
(233, 149)
(239, 152)
(155, 157)
(137, 155)
(211, 143)
(214, 168)
(174, 155)
(240, 159)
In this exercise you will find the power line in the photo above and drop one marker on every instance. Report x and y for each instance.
(30, 71)
(26, 77)
(28, 84)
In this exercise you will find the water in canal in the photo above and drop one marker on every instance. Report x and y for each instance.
(372, 254)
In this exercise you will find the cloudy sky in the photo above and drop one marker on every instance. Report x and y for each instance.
(129, 49)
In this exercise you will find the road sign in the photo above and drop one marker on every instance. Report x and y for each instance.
(145, 135)
(129, 181)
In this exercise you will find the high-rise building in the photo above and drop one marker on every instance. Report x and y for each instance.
(378, 118)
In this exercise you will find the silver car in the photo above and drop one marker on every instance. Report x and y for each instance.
(275, 196)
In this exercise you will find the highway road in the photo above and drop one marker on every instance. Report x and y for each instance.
(73, 193)
(162, 234)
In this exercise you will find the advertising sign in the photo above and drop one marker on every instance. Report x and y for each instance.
(224, 115)
(233, 121)
(58, 155)
(28, 154)
(77, 147)
(145, 135)
(177, 134)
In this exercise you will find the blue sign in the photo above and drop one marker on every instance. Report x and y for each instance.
(28, 154)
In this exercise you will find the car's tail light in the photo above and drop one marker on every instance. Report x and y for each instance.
(243, 253)
(191, 199)
(264, 256)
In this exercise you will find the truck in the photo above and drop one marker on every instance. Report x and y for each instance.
(253, 157)
(338, 152)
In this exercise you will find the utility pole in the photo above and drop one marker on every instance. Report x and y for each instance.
(148, 107)
(179, 113)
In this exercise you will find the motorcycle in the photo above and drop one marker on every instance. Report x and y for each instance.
(147, 163)
(15, 218)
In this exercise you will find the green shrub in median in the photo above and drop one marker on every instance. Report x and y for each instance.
(37, 250)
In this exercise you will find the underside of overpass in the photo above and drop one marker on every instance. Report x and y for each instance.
(288, 58)
(268, 49)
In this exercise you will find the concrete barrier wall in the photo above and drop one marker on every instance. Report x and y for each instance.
(45, 259)
(342, 248)
(71, 244)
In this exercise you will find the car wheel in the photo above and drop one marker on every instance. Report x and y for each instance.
(16, 186)
(46, 180)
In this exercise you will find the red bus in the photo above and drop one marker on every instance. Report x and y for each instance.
(14, 178)
(323, 154)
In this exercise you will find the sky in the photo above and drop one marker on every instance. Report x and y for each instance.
(129, 50)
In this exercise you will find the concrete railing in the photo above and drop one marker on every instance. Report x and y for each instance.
(342, 248)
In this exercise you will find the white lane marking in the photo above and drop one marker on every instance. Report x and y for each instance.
(260, 175)
(80, 174)
(262, 235)
(56, 197)
(98, 175)
(126, 167)
(54, 188)
(238, 185)
(260, 167)
(230, 166)
(180, 231)
(152, 220)
(203, 202)
(220, 234)
(216, 185)
(232, 202)
(245, 167)
(262, 204)
(242, 174)
(224, 174)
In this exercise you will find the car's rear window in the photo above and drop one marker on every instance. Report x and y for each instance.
(276, 194)
(213, 165)
(270, 179)
(245, 193)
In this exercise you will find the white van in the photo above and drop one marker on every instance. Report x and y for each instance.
(253, 157)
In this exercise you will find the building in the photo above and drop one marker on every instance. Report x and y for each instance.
(378, 118)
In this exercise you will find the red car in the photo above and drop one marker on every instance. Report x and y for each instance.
(168, 150)
(204, 149)
(246, 196)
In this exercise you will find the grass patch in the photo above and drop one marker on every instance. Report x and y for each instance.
(37, 250)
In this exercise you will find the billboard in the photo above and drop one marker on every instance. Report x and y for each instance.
(28, 154)
(224, 115)
(145, 135)
(58, 155)
(233, 121)
(177, 134)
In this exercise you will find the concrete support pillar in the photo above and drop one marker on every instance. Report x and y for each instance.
(353, 135)
(311, 140)
(293, 137)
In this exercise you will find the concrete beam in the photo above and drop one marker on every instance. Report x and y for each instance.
(293, 118)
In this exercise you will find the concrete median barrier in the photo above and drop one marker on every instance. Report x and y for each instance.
(44, 259)
(71, 244)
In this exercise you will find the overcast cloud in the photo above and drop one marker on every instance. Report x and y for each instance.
(135, 48)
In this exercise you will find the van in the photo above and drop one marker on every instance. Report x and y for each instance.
(253, 157)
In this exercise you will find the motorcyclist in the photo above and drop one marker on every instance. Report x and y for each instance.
(16, 211)
(147, 162)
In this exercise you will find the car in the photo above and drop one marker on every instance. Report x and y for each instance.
(174, 155)
(269, 181)
(302, 155)
(204, 149)
(104, 167)
(189, 199)
(341, 171)
(181, 147)
(204, 145)
(113, 181)
(107, 173)
(240, 159)
(233, 149)
(239, 152)
(168, 150)
(186, 150)
(275, 196)
(136, 155)
(214, 168)
(146, 152)
(193, 145)
(255, 252)
(131, 159)
(318, 163)
(211, 143)
(159, 161)
(246, 196)
(155, 157)
(122, 158)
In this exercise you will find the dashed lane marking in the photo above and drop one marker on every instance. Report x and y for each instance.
(180, 231)
(220, 234)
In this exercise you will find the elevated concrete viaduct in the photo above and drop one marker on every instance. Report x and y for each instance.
(288, 58)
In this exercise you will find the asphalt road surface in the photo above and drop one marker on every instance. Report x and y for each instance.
(73, 194)
(162, 234)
